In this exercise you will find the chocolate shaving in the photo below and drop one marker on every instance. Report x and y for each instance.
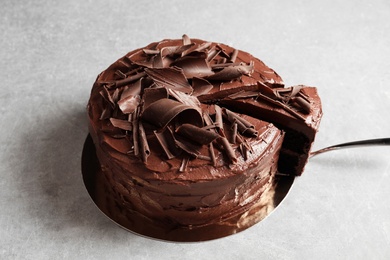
(303, 104)
(228, 149)
(212, 54)
(167, 143)
(163, 111)
(185, 99)
(120, 74)
(128, 80)
(201, 86)
(115, 95)
(184, 163)
(186, 39)
(171, 78)
(231, 72)
(150, 52)
(197, 49)
(197, 134)
(178, 51)
(144, 146)
(158, 61)
(135, 122)
(152, 95)
(234, 133)
(129, 104)
(188, 146)
(124, 63)
(218, 118)
(282, 96)
(207, 119)
(122, 124)
(106, 113)
(233, 57)
(281, 105)
(141, 59)
(223, 52)
(193, 66)
(244, 151)
(244, 127)
(243, 94)
(212, 154)
(224, 65)
(295, 90)
(106, 95)
(215, 96)
(203, 157)
(133, 89)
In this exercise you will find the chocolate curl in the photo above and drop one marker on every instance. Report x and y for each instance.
(186, 39)
(184, 163)
(107, 96)
(177, 51)
(135, 132)
(226, 93)
(228, 149)
(170, 78)
(305, 105)
(128, 80)
(197, 134)
(189, 147)
(163, 111)
(234, 133)
(243, 94)
(106, 113)
(197, 50)
(233, 57)
(128, 104)
(167, 143)
(150, 52)
(133, 89)
(244, 151)
(201, 86)
(281, 105)
(212, 154)
(207, 119)
(243, 147)
(120, 74)
(218, 119)
(193, 66)
(115, 95)
(122, 124)
(244, 127)
(231, 72)
(151, 95)
(212, 54)
(188, 100)
(144, 146)
(158, 62)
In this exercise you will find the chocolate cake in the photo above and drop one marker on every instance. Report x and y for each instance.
(190, 135)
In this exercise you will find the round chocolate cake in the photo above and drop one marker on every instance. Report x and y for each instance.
(190, 134)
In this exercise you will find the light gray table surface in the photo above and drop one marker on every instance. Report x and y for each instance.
(51, 53)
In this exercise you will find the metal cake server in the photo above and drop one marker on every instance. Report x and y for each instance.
(361, 143)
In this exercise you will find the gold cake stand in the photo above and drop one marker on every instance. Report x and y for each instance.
(100, 194)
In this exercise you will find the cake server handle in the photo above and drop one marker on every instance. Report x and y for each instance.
(370, 142)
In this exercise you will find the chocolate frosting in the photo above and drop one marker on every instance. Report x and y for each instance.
(175, 135)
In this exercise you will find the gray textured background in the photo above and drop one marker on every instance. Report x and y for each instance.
(51, 53)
